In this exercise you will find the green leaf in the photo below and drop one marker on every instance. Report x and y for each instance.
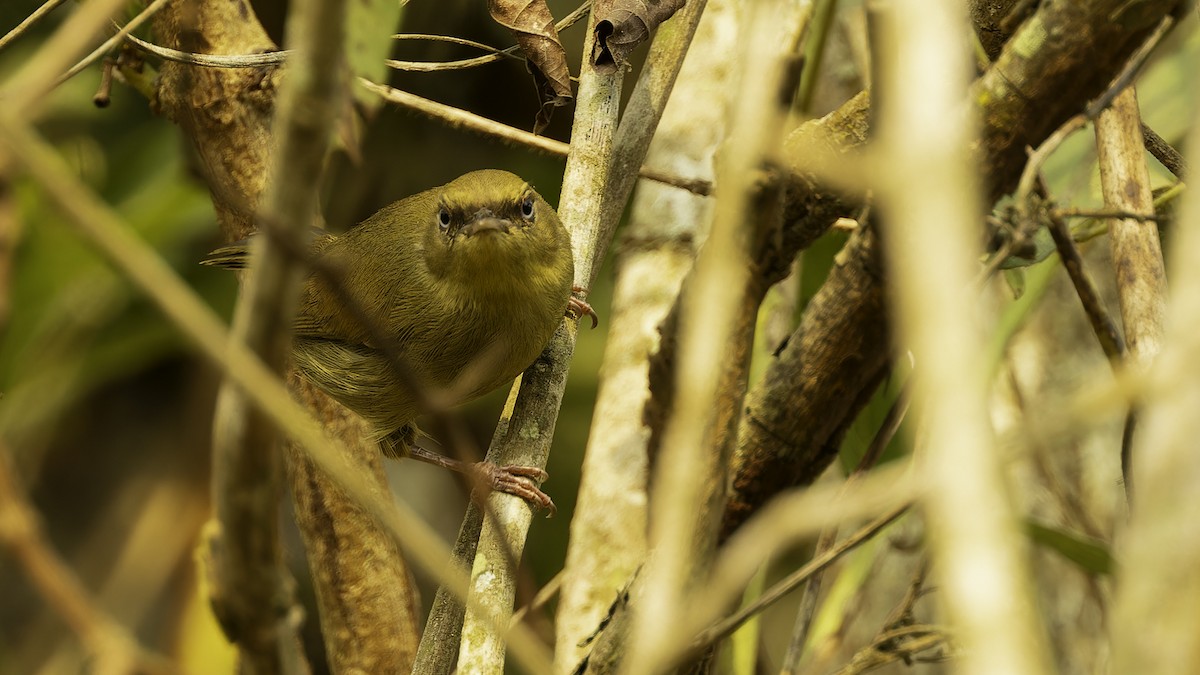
(370, 25)
(1090, 555)
(1015, 278)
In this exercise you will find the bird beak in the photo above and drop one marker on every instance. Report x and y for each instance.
(485, 221)
(485, 225)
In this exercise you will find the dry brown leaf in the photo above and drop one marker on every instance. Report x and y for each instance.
(625, 24)
(533, 25)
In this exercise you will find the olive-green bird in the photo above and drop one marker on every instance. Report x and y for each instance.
(470, 280)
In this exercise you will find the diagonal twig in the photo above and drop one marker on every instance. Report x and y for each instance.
(495, 55)
(26, 23)
(115, 651)
(726, 626)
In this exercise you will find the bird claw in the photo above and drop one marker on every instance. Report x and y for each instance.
(579, 308)
(519, 481)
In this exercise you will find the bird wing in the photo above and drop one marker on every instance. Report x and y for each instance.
(314, 317)
(335, 306)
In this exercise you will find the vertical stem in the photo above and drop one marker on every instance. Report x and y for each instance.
(814, 53)
(931, 202)
(1159, 550)
(643, 112)
(1137, 256)
(608, 530)
(534, 410)
(251, 587)
(718, 309)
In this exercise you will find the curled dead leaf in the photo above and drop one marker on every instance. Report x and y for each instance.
(625, 24)
(533, 26)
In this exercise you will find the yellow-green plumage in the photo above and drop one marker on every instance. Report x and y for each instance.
(470, 279)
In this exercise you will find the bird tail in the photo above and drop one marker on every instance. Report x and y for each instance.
(233, 256)
(236, 256)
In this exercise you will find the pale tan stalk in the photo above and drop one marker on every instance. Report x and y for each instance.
(930, 198)
(1156, 612)
(691, 475)
(1136, 254)
(608, 531)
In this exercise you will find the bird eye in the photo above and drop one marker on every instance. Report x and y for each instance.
(444, 217)
(527, 208)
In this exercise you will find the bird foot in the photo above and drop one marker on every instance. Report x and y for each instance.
(579, 308)
(519, 481)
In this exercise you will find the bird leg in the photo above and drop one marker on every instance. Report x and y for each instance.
(519, 481)
(579, 308)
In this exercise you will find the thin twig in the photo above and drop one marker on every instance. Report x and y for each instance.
(1102, 324)
(1029, 176)
(103, 95)
(463, 64)
(900, 638)
(495, 55)
(886, 432)
(812, 588)
(1103, 213)
(1091, 228)
(27, 22)
(725, 627)
(997, 258)
(1132, 67)
(274, 58)
(452, 40)
(462, 119)
(113, 41)
(37, 77)
(544, 595)
(1164, 152)
(817, 34)
(446, 114)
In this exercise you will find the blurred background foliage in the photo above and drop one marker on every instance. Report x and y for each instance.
(108, 412)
